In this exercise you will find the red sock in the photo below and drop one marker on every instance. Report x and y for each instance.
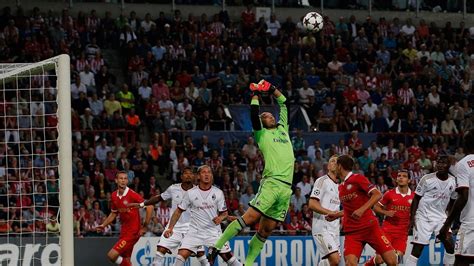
(370, 262)
(126, 262)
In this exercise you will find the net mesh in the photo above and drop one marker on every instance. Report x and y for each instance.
(29, 183)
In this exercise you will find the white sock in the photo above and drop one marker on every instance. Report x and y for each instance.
(324, 262)
(159, 259)
(203, 260)
(119, 260)
(234, 262)
(411, 261)
(179, 261)
(448, 259)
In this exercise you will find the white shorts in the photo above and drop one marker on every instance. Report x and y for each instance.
(173, 242)
(197, 243)
(465, 242)
(326, 243)
(423, 230)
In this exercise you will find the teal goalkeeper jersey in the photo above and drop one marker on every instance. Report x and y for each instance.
(276, 147)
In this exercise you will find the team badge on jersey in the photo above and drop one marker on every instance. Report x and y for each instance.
(409, 201)
(349, 187)
(125, 202)
(213, 196)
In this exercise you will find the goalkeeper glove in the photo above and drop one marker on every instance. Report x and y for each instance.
(266, 86)
(254, 88)
(262, 86)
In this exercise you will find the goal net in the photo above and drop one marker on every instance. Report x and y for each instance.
(36, 219)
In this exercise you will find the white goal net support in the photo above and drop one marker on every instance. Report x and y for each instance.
(36, 213)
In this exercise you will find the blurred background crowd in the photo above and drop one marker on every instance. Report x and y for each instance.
(409, 83)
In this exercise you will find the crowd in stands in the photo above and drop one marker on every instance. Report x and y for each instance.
(410, 83)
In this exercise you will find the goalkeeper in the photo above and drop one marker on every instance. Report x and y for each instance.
(273, 198)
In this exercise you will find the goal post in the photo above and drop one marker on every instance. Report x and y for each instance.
(65, 165)
(21, 79)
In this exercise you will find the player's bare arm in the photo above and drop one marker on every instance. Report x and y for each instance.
(315, 205)
(148, 215)
(458, 206)
(107, 221)
(222, 216)
(152, 201)
(375, 196)
(174, 219)
(379, 209)
(414, 208)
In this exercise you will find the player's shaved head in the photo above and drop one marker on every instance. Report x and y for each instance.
(121, 178)
(188, 175)
(268, 120)
(442, 164)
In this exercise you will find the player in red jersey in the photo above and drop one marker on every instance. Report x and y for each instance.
(360, 225)
(131, 227)
(395, 206)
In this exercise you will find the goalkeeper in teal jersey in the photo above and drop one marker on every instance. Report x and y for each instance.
(273, 198)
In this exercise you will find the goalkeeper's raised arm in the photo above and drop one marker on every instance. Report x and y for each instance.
(266, 119)
(271, 203)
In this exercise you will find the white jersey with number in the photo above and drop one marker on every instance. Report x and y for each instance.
(203, 206)
(176, 193)
(436, 195)
(326, 191)
(464, 172)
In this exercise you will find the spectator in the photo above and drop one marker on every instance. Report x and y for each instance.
(111, 105)
(247, 197)
(102, 150)
(126, 99)
(298, 200)
(304, 186)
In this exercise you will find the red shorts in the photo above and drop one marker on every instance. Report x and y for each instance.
(398, 240)
(355, 241)
(125, 245)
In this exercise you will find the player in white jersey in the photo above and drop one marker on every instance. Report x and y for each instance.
(464, 205)
(207, 208)
(174, 192)
(433, 195)
(324, 200)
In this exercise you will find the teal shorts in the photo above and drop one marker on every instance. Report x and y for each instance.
(272, 199)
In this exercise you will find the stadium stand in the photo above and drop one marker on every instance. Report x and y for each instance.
(409, 84)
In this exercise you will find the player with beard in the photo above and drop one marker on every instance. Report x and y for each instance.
(464, 206)
(207, 209)
(174, 192)
(434, 194)
(271, 203)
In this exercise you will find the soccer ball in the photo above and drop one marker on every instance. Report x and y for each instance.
(313, 21)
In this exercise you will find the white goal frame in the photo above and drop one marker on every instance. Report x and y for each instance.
(61, 63)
